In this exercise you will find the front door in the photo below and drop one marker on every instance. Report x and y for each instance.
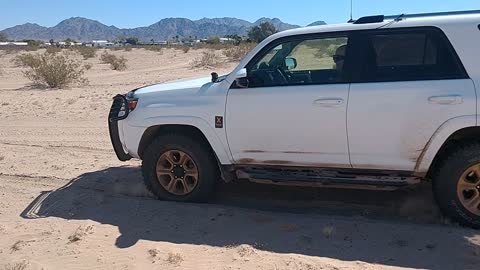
(293, 113)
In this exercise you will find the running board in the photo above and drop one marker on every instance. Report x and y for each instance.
(325, 178)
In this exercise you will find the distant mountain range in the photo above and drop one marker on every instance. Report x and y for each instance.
(82, 29)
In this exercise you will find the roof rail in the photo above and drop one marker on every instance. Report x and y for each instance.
(433, 14)
(378, 18)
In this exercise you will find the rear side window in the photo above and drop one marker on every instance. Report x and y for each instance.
(413, 55)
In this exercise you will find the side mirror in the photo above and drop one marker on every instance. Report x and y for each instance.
(241, 78)
(242, 73)
(290, 63)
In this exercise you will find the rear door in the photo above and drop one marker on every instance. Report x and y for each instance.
(408, 82)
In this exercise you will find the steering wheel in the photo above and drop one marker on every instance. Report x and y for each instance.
(282, 74)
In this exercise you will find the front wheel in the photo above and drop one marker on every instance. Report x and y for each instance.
(178, 168)
(456, 185)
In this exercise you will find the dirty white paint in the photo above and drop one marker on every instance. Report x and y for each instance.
(396, 125)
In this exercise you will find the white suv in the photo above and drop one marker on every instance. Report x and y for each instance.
(383, 102)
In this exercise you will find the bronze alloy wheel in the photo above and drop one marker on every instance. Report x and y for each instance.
(468, 189)
(177, 172)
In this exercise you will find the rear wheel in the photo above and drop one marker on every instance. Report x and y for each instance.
(457, 185)
(178, 168)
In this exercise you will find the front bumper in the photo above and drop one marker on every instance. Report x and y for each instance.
(118, 112)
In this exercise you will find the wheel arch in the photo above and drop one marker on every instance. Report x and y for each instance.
(448, 135)
(190, 130)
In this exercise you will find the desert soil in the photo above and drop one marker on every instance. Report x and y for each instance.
(66, 202)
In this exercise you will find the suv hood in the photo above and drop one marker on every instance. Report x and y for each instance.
(176, 86)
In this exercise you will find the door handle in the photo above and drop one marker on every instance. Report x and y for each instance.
(328, 102)
(446, 100)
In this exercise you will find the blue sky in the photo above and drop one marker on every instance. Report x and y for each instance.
(126, 14)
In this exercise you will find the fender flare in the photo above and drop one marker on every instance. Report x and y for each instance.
(438, 139)
(218, 145)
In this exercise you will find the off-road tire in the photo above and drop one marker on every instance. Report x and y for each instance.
(445, 180)
(200, 154)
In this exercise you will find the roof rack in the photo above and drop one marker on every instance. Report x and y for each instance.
(381, 18)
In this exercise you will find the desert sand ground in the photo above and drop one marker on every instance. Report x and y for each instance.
(66, 202)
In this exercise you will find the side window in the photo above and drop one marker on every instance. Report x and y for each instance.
(300, 62)
(416, 55)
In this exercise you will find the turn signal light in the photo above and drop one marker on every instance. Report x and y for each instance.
(132, 104)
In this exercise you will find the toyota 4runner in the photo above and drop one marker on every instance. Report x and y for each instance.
(382, 102)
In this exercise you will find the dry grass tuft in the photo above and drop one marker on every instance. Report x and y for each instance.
(18, 245)
(115, 62)
(154, 252)
(174, 258)
(81, 233)
(245, 250)
(17, 266)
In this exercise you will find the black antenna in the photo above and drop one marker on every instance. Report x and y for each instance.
(351, 12)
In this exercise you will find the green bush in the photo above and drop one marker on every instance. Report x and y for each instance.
(53, 70)
(261, 32)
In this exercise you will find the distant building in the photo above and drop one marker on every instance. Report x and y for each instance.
(227, 40)
(102, 43)
(157, 43)
(8, 43)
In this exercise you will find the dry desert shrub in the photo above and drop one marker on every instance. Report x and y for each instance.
(87, 52)
(237, 53)
(207, 60)
(154, 49)
(115, 62)
(53, 50)
(213, 46)
(53, 70)
(127, 49)
(185, 49)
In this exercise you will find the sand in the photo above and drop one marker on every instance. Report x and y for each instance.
(66, 202)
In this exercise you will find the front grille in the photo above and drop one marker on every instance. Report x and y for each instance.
(119, 109)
